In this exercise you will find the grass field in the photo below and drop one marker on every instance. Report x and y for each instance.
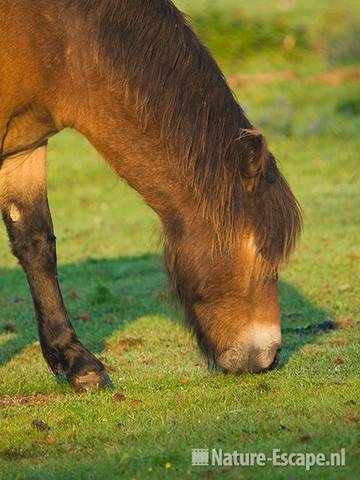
(110, 269)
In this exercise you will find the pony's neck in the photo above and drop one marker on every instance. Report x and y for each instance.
(138, 159)
(158, 108)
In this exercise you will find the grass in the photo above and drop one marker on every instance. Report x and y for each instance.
(166, 403)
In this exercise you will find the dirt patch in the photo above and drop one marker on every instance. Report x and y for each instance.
(119, 397)
(264, 387)
(345, 323)
(339, 76)
(147, 361)
(125, 345)
(25, 400)
(184, 380)
(335, 77)
(353, 418)
(40, 426)
(11, 454)
(9, 327)
(71, 293)
(262, 78)
(84, 316)
(305, 438)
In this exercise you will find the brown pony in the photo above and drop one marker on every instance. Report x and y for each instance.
(131, 76)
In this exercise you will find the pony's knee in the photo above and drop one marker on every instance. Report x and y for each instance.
(30, 233)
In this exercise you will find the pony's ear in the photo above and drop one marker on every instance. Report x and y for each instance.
(254, 157)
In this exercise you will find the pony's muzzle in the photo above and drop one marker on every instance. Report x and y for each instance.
(258, 353)
(254, 361)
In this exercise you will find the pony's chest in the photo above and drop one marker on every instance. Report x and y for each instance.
(24, 129)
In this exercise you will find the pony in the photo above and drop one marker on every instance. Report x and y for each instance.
(132, 77)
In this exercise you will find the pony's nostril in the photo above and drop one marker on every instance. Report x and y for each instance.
(276, 360)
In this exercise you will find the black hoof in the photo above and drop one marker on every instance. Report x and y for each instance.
(90, 381)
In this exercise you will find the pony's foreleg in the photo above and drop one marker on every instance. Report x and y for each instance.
(25, 210)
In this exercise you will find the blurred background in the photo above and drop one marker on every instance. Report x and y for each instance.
(302, 53)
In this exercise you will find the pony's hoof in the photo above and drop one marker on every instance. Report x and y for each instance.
(90, 381)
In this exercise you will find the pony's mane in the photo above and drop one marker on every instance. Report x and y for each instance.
(148, 48)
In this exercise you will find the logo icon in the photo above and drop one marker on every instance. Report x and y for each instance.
(200, 457)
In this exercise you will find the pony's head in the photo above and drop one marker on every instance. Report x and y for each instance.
(225, 270)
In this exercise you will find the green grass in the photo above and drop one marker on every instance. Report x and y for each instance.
(115, 289)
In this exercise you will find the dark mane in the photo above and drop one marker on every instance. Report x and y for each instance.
(147, 46)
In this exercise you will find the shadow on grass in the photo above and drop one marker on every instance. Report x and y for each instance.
(103, 295)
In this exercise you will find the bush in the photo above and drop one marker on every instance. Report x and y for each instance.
(232, 36)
